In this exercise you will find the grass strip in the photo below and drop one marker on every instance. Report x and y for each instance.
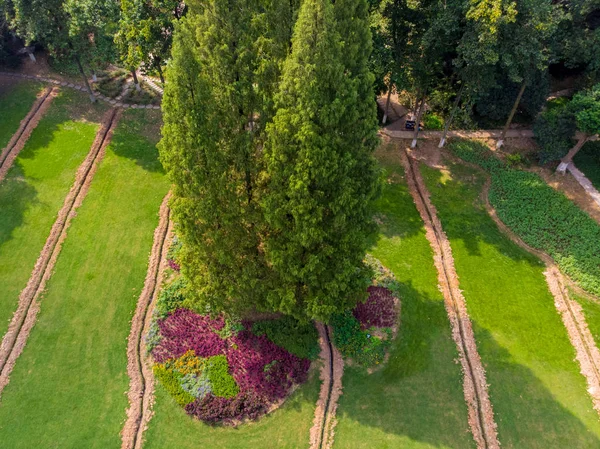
(544, 218)
(286, 428)
(67, 389)
(416, 400)
(15, 102)
(588, 161)
(34, 190)
(539, 396)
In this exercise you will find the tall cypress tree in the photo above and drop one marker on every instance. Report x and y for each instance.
(319, 178)
(215, 105)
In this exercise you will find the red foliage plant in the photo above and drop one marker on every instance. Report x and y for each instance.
(378, 310)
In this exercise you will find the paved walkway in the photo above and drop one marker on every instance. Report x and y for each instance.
(99, 97)
(482, 134)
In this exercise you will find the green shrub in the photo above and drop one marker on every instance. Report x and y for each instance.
(544, 218)
(301, 339)
(515, 159)
(232, 327)
(554, 130)
(433, 121)
(361, 346)
(171, 297)
(172, 383)
(222, 383)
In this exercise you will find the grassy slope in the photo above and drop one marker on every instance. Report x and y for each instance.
(15, 103)
(539, 396)
(416, 401)
(588, 161)
(67, 389)
(34, 190)
(286, 428)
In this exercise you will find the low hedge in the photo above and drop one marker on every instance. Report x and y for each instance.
(301, 339)
(544, 218)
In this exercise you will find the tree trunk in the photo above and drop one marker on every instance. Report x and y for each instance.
(387, 104)
(511, 115)
(135, 81)
(161, 75)
(94, 76)
(449, 121)
(85, 80)
(564, 163)
(416, 132)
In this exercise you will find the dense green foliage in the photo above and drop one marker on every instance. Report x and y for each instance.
(541, 216)
(301, 339)
(588, 161)
(170, 380)
(586, 107)
(357, 344)
(554, 130)
(320, 176)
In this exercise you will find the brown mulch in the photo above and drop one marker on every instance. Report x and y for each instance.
(481, 415)
(139, 368)
(24, 317)
(28, 124)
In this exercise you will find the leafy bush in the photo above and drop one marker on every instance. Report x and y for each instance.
(554, 130)
(171, 297)
(173, 254)
(353, 342)
(433, 121)
(515, 159)
(217, 371)
(171, 381)
(301, 339)
(544, 218)
(378, 310)
(212, 409)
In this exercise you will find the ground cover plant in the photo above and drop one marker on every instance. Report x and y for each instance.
(541, 216)
(537, 392)
(588, 161)
(16, 99)
(223, 370)
(416, 400)
(35, 187)
(67, 388)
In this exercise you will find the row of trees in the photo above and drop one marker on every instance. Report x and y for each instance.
(93, 33)
(269, 129)
(489, 56)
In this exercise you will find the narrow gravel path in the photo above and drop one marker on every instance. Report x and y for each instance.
(28, 124)
(481, 415)
(25, 316)
(139, 368)
(322, 431)
(581, 338)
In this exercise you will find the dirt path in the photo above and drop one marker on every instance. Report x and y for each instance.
(28, 124)
(322, 431)
(481, 416)
(139, 368)
(24, 318)
(586, 351)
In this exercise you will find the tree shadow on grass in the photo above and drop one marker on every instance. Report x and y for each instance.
(418, 394)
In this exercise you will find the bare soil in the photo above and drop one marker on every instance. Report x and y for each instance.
(332, 370)
(28, 124)
(481, 415)
(141, 385)
(24, 317)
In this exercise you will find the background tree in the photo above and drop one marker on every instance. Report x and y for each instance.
(225, 65)
(317, 209)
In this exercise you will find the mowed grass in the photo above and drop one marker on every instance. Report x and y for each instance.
(588, 161)
(416, 400)
(34, 190)
(285, 428)
(68, 387)
(539, 396)
(16, 99)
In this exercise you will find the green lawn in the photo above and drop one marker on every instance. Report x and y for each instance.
(417, 400)
(68, 387)
(35, 187)
(286, 428)
(588, 161)
(15, 102)
(538, 394)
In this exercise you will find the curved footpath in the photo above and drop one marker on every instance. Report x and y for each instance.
(139, 368)
(104, 98)
(25, 316)
(481, 415)
(28, 124)
(581, 338)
